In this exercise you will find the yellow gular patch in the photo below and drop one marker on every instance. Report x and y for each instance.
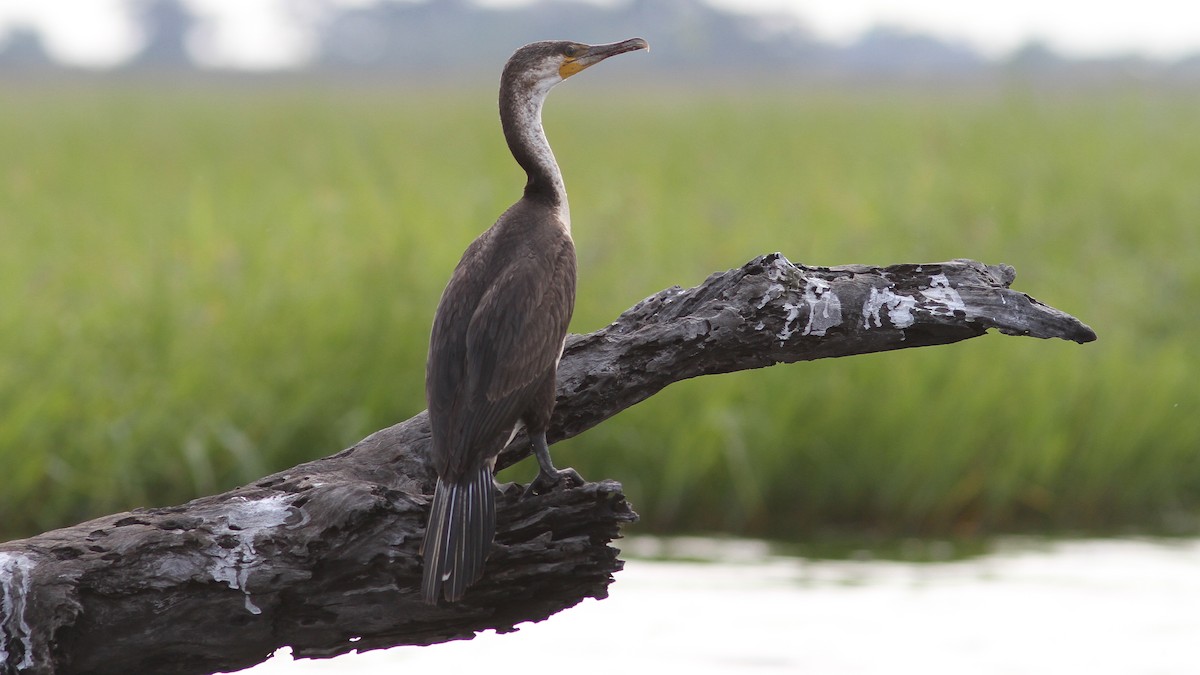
(569, 68)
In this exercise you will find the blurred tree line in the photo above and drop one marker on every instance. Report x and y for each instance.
(456, 36)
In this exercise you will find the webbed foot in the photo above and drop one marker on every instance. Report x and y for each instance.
(546, 482)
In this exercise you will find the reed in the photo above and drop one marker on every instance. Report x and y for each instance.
(203, 285)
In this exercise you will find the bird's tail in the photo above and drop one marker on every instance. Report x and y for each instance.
(462, 524)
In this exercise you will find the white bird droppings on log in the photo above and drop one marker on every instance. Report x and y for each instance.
(899, 308)
(245, 522)
(940, 292)
(824, 307)
(15, 635)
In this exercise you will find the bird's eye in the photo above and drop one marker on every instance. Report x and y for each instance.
(573, 51)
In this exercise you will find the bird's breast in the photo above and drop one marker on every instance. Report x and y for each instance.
(563, 213)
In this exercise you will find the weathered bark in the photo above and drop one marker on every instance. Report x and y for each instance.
(323, 556)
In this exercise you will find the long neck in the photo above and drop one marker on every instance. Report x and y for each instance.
(521, 119)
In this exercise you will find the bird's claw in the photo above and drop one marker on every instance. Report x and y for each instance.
(545, 482)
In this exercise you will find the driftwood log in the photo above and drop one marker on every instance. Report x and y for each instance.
(323, 556)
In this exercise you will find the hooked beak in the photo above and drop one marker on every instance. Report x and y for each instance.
(596, 53)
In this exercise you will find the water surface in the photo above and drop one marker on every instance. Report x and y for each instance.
(1123, 607)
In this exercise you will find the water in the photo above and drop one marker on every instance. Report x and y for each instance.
(1123, 607)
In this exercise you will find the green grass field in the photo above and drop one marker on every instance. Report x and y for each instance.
(200, 286)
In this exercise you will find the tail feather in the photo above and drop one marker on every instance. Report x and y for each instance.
(462, 524)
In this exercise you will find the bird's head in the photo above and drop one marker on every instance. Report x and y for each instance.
(542, 65)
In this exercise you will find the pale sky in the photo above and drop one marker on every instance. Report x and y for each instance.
(269, 33)
(1159, 28)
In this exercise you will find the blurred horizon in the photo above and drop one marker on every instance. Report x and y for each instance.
(863, 38)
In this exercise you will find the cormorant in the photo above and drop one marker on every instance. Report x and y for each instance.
(499, 329)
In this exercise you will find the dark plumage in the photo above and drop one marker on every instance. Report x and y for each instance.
(499, 329)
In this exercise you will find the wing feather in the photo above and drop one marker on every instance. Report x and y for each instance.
(480, 380)
(514, 342)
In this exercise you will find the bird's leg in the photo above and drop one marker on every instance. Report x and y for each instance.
(548, 477)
